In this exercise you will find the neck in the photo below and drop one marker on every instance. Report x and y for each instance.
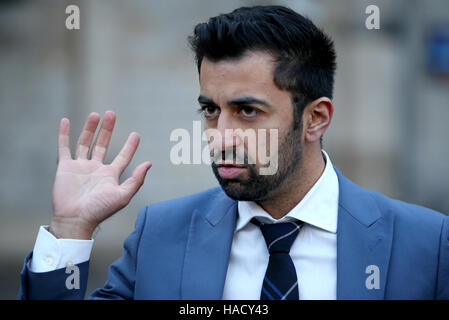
(294, 188)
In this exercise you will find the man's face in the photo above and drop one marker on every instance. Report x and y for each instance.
(241, 94)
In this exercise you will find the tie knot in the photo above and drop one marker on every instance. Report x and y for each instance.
(279, 237)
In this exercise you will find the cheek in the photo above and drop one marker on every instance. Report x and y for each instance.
(263, 146)
(213, 138)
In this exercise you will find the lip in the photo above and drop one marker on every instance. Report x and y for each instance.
(229, 171)
(228, 164)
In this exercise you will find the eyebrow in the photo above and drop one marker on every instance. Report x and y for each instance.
(245, 100)
(206, 100)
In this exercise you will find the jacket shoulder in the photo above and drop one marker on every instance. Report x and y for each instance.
(406, 211)
(402, 212)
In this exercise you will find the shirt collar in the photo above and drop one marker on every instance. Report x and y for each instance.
(319, 207)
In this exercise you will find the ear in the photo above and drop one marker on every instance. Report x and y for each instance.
(317, 118)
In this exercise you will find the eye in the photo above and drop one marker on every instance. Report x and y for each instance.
(249, 112)
(209, 111)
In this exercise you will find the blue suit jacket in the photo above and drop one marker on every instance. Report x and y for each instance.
(180, 250)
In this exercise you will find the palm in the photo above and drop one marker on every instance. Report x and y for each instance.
(86, 191)
(88, 188)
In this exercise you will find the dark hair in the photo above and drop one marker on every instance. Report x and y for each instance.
(305, 56)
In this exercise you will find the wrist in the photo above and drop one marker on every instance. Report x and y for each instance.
(70, 229)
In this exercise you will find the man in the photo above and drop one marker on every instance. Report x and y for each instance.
(303, 232)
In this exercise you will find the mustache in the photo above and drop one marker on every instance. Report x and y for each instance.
(231, 156)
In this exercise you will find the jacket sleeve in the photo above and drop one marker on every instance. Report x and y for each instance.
(53, 285)
(443, 263)
(59, 284)
(122, 273)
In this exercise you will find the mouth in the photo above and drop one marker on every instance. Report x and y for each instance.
(230, 171)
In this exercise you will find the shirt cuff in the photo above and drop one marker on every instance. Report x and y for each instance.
(50, 253)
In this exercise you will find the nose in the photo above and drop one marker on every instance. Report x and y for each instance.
(227, 139)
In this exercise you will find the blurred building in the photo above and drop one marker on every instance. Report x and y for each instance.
(389, 131)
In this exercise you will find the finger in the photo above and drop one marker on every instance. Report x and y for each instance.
(64, 140)
(122, 160)
(133, 183)
(101, 144)
(86, 136)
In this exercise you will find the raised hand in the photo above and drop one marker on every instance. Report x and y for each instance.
(87, 191)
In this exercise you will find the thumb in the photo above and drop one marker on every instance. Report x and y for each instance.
(133, 183)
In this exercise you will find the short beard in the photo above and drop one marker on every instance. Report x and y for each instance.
(262, 187)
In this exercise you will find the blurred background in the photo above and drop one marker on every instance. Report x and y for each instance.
(389, 133)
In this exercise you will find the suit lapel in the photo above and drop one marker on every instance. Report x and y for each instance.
(208, 248)
(364, 240)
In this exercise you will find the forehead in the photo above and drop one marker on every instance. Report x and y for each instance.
(250, 74)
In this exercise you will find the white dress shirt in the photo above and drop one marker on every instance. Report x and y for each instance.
(314, 252)
(51, 253)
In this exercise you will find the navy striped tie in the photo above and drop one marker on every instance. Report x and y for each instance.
(280, 282)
